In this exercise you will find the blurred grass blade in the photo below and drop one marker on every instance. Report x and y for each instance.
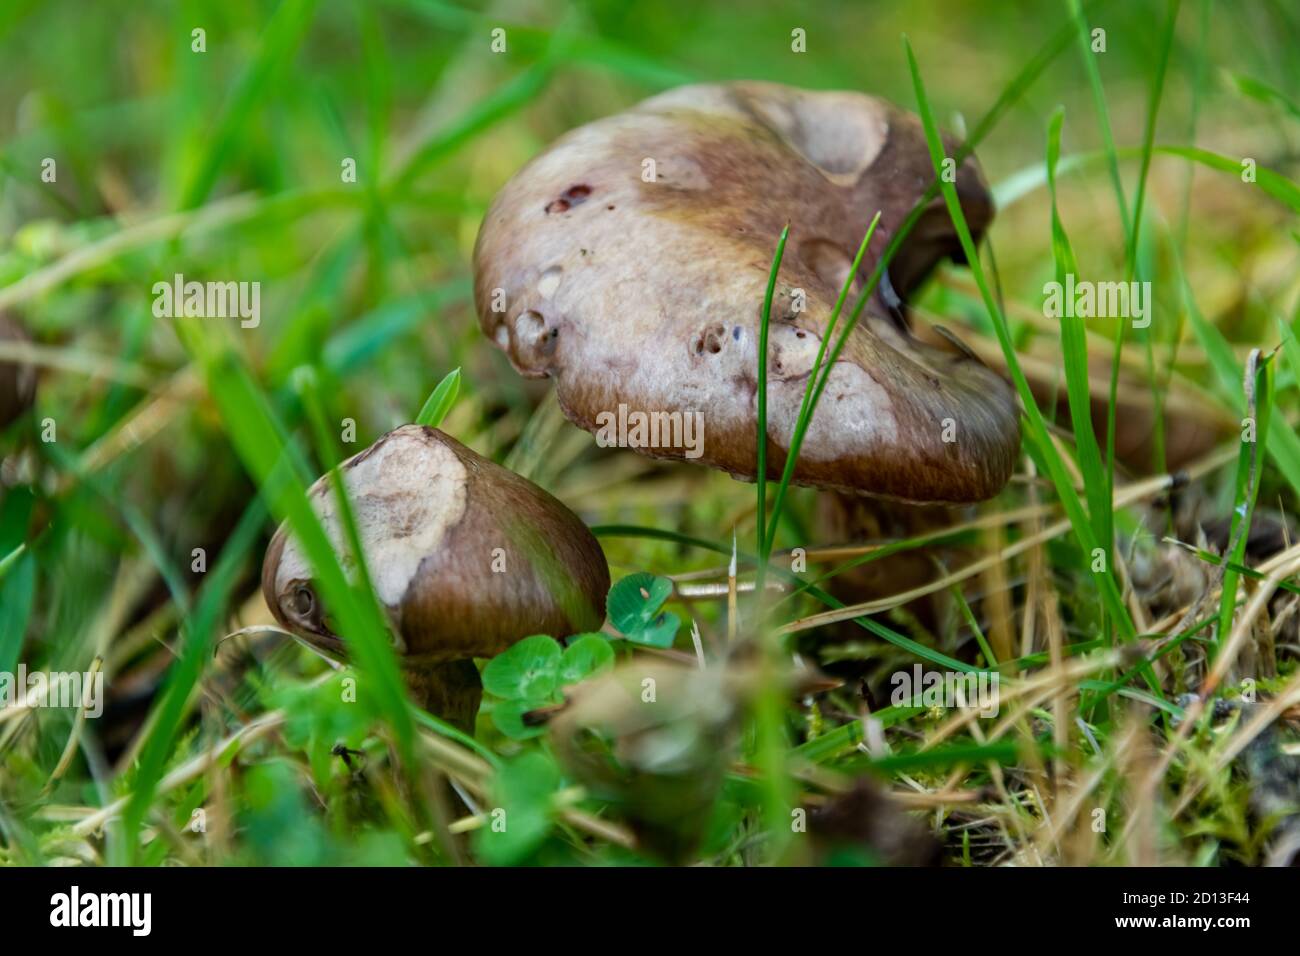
(183, 676)
(1131, 252)
(364, 338)
(10, 559)
(770, 745)
(1000, 752)
(1262, 92)
(17, 597)
(1149, 133)
(1103, 113)
(306, 383)
(485, 112)
(1275, 184)
(1290, 350)
(283, 34)
(658, 534)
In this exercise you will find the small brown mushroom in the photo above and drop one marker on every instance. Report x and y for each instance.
(17, 379)
(629, 262)
(465, 556)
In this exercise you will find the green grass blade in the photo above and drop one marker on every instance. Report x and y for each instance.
(1131, 253)
(363, 588)
(17, 597)
(1247, 491)
(1038, 433)
(1245, 571)
(887, 549)
(1001, 752)
(811, 394)
(969, 617)
(439, 402)
(1290, 350)
(1149, 134)
(1193, 124)
(761, 437)
(1074, 349)
(283, 34)
(183, 676)
(367, 336)
(1272, 182)
(770, 745)
(846, 737)
(10, 559)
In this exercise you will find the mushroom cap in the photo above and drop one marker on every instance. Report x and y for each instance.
(465, 556)
(629, 261)
(17, 380)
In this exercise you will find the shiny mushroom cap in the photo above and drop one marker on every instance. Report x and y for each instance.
(629, 261)
(465, 556)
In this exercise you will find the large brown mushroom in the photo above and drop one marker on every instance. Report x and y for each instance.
(629, 260)
(465, 556)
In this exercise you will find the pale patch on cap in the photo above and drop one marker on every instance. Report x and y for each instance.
(407, 491)
(863, 418)
(839, 133)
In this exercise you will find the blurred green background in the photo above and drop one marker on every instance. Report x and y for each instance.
(226, 164)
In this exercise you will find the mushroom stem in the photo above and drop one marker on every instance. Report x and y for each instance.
(859, 519)
(450, 690)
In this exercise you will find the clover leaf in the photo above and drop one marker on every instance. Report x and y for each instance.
(586, 655)
(521, 820)
(526, 671)
(634, 604)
